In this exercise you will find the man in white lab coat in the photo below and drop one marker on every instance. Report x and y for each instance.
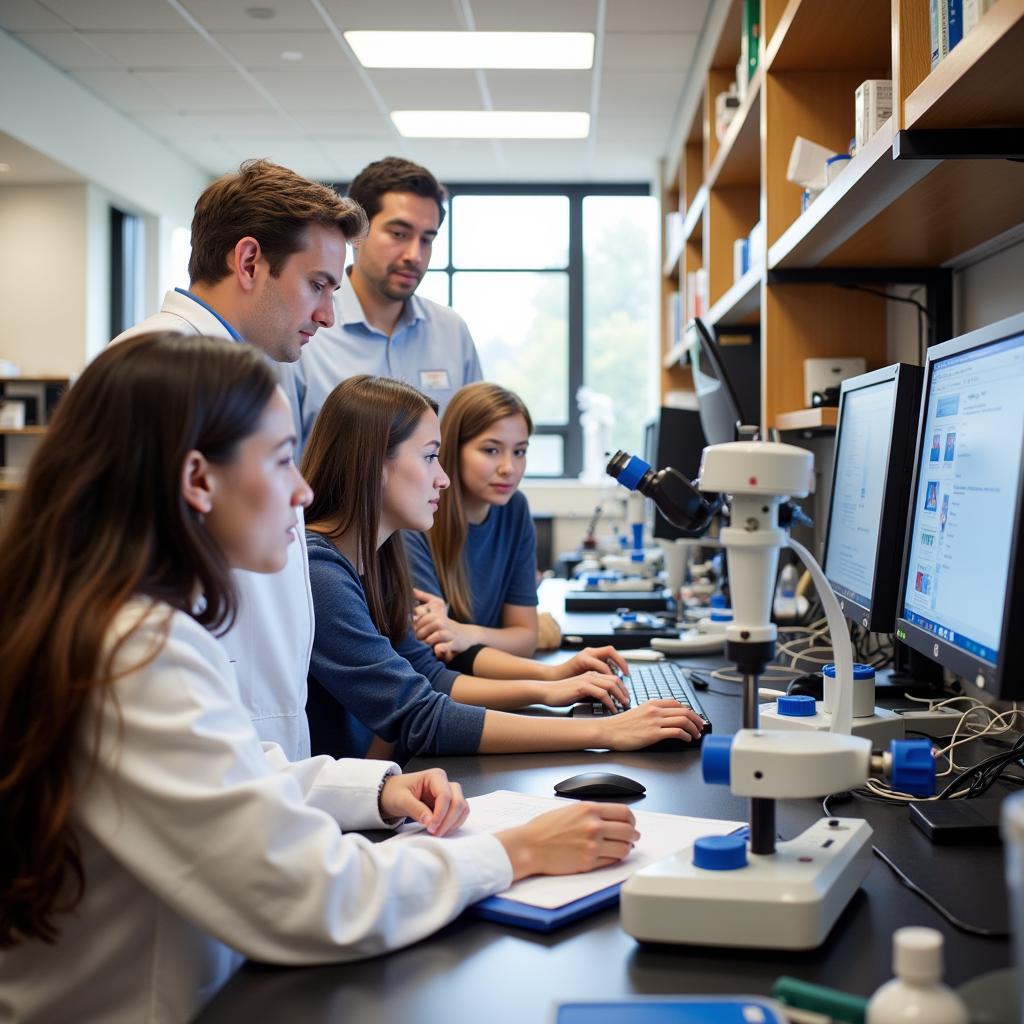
(268, 252)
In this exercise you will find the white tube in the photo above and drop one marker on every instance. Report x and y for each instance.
(842, 705)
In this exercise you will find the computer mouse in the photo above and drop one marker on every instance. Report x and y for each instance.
(594, 784)
(810, 685)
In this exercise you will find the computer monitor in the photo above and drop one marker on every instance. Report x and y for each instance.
(875, 435)
(719, 403)
(674, 438)
(962, 587)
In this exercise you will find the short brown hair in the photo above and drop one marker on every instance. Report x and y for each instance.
(395, 174)
(269, 203)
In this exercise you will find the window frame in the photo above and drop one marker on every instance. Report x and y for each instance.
(570, 432)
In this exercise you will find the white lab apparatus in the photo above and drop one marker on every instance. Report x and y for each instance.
(751, 892)
(917, 993)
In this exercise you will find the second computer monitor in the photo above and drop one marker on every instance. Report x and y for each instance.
(962, 588)
(674, 439)
(877, 426)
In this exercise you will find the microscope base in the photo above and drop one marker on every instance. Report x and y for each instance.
(786, 900)
(880, 728)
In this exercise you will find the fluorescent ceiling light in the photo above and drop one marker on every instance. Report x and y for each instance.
(532, 50)
(492, 124)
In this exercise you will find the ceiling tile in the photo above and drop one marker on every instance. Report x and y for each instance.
(212, 156)
(264, 49)
(71, 51)
(626, 93)
(411, 15)
(656, 15)
(203, 90)
(428, 90)
(349, 156)
(540, 90)
(28, 16)
(158, 49)
(118, 16)
(637, 128)
(231, 16)
(124, 90)
(220, 125)
(535, 15)
(303, 91)
(342, 124)
(649, 51)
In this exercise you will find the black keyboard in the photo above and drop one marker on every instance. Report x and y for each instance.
(651, 682)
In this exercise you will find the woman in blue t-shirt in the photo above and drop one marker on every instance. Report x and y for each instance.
(372, 461)
(475, 571)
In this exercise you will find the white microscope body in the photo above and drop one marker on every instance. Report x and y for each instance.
(751, 892)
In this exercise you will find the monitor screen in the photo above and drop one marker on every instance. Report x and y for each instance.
(859, 477)
(720, 411)
(867, 516)
(963, 540)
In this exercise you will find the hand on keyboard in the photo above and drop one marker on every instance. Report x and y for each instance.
(607, 689)
(606, 660)
(649, 723)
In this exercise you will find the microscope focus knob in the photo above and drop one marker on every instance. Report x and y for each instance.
(715, 755)
(913, 767)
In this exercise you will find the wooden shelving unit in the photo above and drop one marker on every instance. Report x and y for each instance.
(882, 214)
(41, 395)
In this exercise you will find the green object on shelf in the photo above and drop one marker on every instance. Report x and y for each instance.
(802, 995)
(751, 35)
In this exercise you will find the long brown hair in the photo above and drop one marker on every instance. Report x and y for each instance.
(101, 519)
(470, 412)
(359, 427)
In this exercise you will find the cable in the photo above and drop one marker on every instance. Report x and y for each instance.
(922, 310)
(939, 908)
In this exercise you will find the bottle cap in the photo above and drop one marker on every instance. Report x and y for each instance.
(917, 954)
(796, 706)
(860, 671)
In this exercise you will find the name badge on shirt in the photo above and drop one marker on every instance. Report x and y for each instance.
(435, 380)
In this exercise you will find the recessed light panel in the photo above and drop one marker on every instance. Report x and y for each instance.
(492, 124)
(525, 50)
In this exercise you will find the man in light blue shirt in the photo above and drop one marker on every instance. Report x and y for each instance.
(381, 327)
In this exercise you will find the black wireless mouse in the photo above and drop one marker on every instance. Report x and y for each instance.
(594, 784)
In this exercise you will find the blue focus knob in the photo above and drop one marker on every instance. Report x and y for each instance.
(632, 472)
(714, 759)
(860, 671)
(799, 705)
(913, 767)
(720, 853)
(627, 616)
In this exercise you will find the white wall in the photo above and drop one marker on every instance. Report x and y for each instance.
(991, 289)
(44, 277)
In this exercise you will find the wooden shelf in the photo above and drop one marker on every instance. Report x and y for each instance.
(7, 486)
(834, 34)
(741, 304)
(34, 380)
(22, 431)
(981, 80)
(674, 356)
(693, 222)
(738, 160)
(822, 418)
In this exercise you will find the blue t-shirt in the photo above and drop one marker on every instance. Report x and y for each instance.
(360, 685)
(501, 561)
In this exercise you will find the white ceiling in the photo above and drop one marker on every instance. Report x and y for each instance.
(209, 79)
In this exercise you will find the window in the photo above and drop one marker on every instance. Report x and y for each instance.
(557, 285)
(126, 270)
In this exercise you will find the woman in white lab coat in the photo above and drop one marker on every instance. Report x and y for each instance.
(150, 841)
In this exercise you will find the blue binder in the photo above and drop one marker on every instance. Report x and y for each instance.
(543, 919)
(672, 1010)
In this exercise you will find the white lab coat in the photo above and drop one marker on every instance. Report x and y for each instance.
(202, 847)
(272, 638)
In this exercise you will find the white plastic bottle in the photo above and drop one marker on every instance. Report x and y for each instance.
(917, 993)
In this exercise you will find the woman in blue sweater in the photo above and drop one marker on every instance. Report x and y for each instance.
(372, 461)
(474, 573)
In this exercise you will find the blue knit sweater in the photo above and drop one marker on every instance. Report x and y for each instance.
(360, 685)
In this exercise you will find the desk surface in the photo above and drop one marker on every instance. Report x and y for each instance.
(474, 970)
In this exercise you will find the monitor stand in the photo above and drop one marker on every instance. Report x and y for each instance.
(911, 672)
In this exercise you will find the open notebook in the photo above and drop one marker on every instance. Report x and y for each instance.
(547, 902)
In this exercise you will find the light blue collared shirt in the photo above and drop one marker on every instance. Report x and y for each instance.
(431, 348)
